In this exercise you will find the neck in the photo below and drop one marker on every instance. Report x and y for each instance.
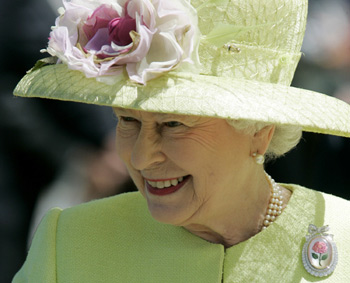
(239, 218)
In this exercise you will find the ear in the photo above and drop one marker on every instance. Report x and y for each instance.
(262, 139)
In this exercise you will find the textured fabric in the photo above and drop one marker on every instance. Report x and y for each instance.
(251, 84)
(116, 240)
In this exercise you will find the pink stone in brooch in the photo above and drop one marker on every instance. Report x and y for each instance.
(320, 255)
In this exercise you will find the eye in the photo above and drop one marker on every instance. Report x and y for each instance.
(127, 119)
(173, 124)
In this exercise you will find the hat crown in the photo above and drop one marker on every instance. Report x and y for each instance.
(268, 33)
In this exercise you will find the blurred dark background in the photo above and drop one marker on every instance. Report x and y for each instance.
(60, 153)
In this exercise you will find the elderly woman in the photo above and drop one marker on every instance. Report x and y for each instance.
(201, 91)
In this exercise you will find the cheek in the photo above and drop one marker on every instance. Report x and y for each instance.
(137, 179)
(192, 154)
(121, 150)
(210, 158)
(124, 146)
(194, 147)
(182, 152)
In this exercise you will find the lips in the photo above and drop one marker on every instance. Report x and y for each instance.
(165, 187)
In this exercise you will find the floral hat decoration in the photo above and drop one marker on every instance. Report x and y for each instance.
(232, 59)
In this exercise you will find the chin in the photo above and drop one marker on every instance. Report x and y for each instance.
(166, 214)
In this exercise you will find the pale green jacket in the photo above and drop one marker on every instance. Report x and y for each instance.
(116, 240)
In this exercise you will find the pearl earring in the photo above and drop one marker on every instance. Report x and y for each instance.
(259, 158)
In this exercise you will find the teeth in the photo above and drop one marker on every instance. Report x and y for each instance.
(165, 184)
(160, 185)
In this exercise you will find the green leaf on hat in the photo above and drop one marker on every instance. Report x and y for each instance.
(43, 62)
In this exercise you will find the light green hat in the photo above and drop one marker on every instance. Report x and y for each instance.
(230, 59)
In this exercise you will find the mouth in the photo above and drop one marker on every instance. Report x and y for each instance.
(165, 187)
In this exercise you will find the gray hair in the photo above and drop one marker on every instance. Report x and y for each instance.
(285, 138)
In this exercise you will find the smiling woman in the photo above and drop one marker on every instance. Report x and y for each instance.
(201, 92)
(201, 153)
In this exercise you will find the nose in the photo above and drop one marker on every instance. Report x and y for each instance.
(146, 151)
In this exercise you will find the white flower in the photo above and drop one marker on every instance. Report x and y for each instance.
(143, 38)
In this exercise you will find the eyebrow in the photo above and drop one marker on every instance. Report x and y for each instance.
(121, 110)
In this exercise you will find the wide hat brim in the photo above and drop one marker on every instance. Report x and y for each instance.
(210, 96)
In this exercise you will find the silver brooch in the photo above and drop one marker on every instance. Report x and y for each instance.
(320, 255)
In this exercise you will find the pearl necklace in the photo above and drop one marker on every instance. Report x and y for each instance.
(275, 206)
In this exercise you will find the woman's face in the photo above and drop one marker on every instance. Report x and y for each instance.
(186, 167)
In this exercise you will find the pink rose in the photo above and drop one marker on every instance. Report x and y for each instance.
(119, 30)
(105, 26)
(320, 247)
(99, 19)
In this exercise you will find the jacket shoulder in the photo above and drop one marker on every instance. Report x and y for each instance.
(115, 208)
